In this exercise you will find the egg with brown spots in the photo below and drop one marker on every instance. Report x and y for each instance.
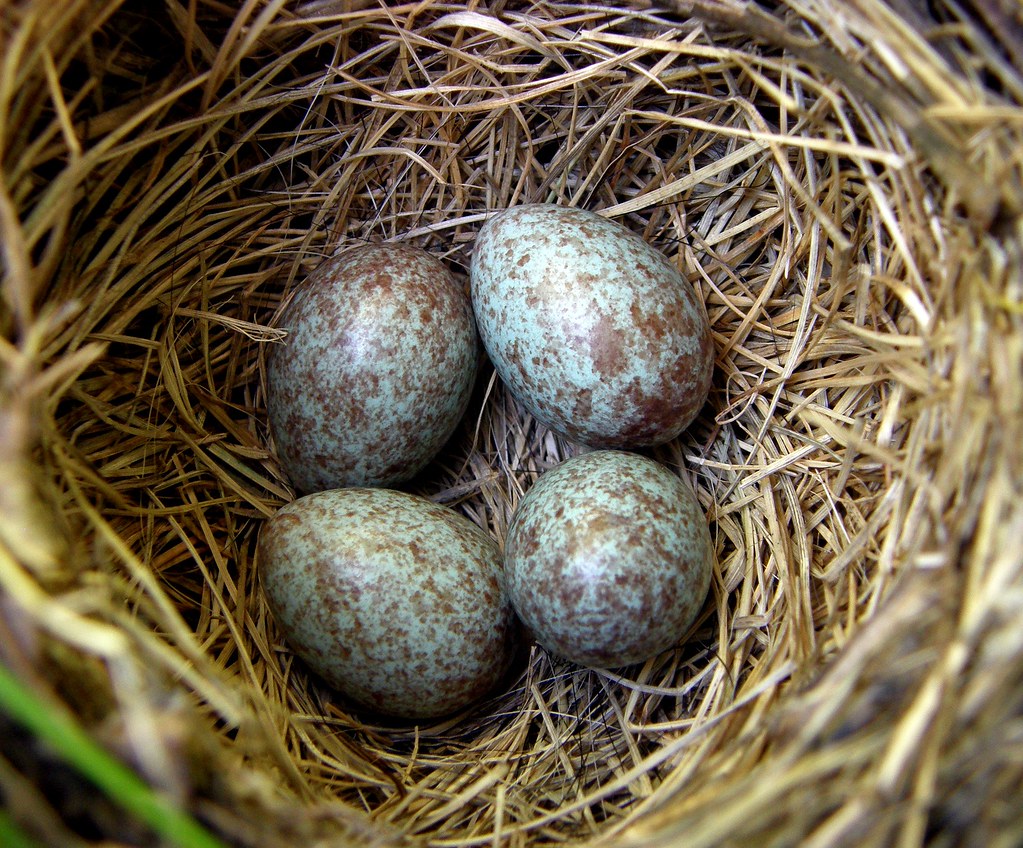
(594, 331)
(397, 602)
(608, 559)
(376, 370)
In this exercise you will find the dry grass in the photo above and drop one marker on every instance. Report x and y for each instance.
(842, 184)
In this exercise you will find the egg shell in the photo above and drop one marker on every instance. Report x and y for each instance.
(397, 602)
(594, 331)
(608, 559)
(376, 370)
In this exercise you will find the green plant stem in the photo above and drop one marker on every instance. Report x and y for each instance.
(109, 774)
(11, 835)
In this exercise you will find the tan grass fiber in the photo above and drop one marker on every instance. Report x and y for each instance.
(841, 181)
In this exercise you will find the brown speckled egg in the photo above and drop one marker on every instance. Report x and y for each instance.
(593, 331)
(608, 559)
(376, 370)
(396, 601)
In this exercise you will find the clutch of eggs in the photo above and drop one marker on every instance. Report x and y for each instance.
(401, 604)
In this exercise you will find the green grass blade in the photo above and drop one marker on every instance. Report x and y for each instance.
(12, 836)
(109, 774)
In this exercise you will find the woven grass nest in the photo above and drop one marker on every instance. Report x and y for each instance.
(842, 182)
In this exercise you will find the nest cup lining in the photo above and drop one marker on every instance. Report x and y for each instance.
(833, 458)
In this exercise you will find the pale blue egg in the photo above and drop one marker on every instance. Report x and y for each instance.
(594, 331)
(608, 559)
(397, 602)
(376, 370)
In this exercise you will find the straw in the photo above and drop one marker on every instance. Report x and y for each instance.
(841, 183)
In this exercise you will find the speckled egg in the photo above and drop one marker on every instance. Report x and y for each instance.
(608, 559)
(376, 370)
(397, 602)
(593, 331)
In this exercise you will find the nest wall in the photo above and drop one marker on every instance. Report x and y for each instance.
(841, 184)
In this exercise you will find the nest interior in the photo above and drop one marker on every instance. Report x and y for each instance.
(842, 185)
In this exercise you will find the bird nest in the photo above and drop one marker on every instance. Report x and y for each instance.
(841, 183)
